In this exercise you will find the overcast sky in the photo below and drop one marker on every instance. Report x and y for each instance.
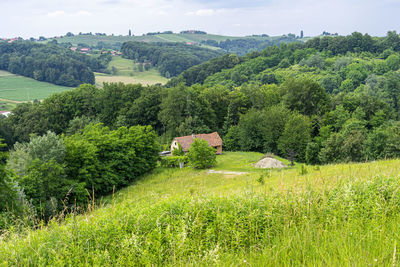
(34, 18)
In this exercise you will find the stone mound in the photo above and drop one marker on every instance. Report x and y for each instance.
(268, 162)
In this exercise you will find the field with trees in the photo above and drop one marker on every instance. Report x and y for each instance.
(128, 71)
(230, 44)
(50, 63)
(93, 40)
(331, 104)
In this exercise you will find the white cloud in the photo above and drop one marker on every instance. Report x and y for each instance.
(28, 18)
(57, 13)
(202, 12)
(83, 13)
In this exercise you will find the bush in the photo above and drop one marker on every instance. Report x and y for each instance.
(173, 161)
(102, 158)
(201, 155)
(178, 151)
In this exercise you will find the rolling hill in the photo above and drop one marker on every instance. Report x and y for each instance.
(92, 40)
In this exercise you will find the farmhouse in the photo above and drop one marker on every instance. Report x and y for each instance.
(213, 140)
(5, 113)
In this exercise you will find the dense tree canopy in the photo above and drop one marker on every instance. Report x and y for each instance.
(170, 58)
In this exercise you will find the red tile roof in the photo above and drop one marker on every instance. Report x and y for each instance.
(213, 140)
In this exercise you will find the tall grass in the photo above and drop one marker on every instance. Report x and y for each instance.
(353, 223)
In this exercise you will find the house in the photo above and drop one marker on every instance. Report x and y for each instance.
(5, 113)
(213, 140)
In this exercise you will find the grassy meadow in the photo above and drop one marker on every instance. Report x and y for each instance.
(16, 89)
(345, 214)
(127, 72)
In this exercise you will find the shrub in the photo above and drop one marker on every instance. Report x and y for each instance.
(178, 151)
(201, 155)
(173, 161)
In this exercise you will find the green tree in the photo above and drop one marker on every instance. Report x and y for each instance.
(393, 62)
(201, 155)
(8, 193)
(103, 159)
(295, 136)
(312, 152)
(305, 96)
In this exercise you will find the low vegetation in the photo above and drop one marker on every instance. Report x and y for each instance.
(329, 215)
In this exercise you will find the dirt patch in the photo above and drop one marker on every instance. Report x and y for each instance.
(227, 172)
(270, 163)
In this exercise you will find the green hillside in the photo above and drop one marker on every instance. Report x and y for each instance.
(126, 71)
(92, 40)
(325, 215)
(15, 88)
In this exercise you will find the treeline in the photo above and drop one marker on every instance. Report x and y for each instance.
(243, 46)
(50, 63)
(170, 58)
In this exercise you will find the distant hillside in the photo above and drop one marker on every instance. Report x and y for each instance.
(232, 44)
(92, 40)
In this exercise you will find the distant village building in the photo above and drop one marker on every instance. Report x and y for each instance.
(213, 140)
(5, 113)
(85, 50)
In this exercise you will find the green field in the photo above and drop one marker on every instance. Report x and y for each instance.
(127, 72)
(345, 214)
(92, 40)
(15, 88)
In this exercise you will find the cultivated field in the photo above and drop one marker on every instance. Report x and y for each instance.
(127, 72)
(15, 88)
(346, 214)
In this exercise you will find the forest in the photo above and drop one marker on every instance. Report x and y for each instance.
(243, 46)
(170, 58)
(50, 63)
(329, 100)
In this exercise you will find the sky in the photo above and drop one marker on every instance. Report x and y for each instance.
(34, 18)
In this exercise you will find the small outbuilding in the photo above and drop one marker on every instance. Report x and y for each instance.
(213, 140)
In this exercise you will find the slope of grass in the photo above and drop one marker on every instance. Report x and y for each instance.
(127, 72)
(15, 88)
(344, 214)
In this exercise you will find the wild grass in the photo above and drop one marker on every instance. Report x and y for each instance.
(344, 214)
(15, 88)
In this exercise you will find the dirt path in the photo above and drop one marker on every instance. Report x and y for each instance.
(12, 101)
(227, 172)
